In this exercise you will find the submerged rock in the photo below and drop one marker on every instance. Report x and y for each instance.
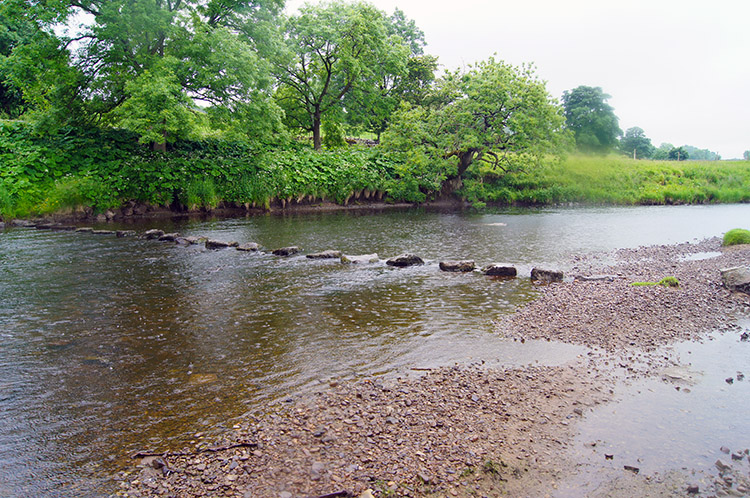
(188, 241)
(458, 266)
(103, 232)
(404, 260)
(360, 259)
(84, 229)
(330, 254)
(736, 279)
(286, 251)
(125, 233)
(219, 244)
(154, 233)
(546, 275)
(500, 270)
(248, 247)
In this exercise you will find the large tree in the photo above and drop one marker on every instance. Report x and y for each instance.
(127, 50)
(591, 119)
(635, 143)
(493, 113)
(333, 49)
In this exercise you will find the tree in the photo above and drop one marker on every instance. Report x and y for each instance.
(401, 76)
(635, 143)
(746, 155)
(493, 113)
(678, 154)
(591, 119)
(333, 49)
(201, 49)
(697, 154)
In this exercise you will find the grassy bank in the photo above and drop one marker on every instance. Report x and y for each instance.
(614, 180)
(95, 170)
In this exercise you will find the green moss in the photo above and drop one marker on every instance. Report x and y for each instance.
(665, 282)
(736, 236)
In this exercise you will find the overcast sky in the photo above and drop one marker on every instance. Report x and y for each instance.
(679, 69)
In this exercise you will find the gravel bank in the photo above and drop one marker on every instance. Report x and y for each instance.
(614, 315)
(469, 431)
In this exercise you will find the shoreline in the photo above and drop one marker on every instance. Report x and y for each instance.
(471, 431)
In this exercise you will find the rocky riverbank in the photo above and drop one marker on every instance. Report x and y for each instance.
(472, 431)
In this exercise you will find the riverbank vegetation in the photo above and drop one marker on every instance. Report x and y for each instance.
(196, 105)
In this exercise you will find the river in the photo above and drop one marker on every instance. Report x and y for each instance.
(112, 345)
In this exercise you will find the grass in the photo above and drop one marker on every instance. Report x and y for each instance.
(614, 180)
(736, 236)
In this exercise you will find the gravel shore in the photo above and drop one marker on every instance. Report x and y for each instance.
(467, 431)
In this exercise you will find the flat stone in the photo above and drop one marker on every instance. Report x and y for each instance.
(404, 260)
(84, 229)
(543, 275)
(500, 270)
(330, 254)
(458, 266)
(248, 247)
(286, 251)
(103, 232)
(723, 467)
(125, 233)
(360, 259)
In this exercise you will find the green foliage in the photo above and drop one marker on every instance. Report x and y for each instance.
(736, 236)
(333, 135)
(591, 119)
(678, 154)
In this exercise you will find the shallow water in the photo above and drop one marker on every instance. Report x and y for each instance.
(682, 422)
(109, 346)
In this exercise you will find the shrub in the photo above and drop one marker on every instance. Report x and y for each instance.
(736, 236)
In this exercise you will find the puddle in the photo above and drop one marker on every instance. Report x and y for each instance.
(680, 419)
(699, 256)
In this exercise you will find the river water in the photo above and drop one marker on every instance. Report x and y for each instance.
(109, 346)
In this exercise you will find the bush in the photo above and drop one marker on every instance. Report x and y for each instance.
(736, 236)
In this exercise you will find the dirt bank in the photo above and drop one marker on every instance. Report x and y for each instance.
(470, 431)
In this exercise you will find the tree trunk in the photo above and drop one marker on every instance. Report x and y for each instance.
(317, 144)
(465, 159)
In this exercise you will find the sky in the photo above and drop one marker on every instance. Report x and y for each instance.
(678, 69)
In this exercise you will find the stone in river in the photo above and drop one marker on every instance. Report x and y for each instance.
(458, 266)
(152, 234)
(330, 254)
(169, 237)
(546, 275)
(125, 233)
(248, 247)
(500, 270)
(286, 251)
(360, 259)
(219, 244)
(404, 260)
